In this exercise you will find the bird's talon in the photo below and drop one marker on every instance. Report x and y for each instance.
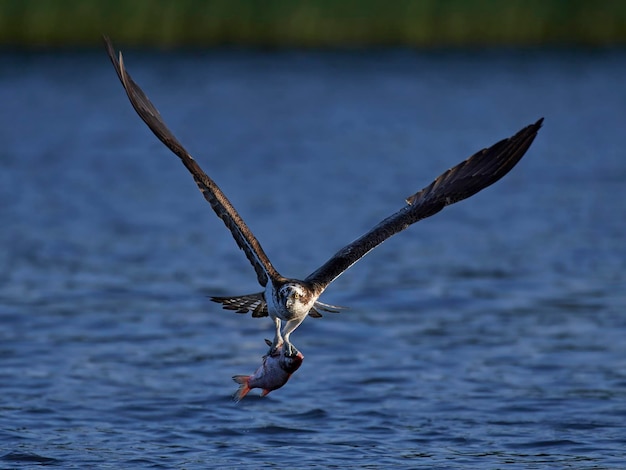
(275, 347)
(291, 350)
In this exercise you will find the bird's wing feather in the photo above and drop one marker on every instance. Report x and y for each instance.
(460, 182)
(254, 303)
(212, 193)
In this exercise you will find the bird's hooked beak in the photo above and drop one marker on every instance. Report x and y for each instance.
(292, 294)
(291, 298)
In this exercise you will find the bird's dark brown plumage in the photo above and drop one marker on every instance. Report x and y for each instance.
(212, 193)
(460, 182)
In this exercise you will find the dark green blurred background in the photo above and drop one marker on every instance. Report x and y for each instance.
(313, 23)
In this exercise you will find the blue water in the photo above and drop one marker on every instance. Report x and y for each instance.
(490, 336)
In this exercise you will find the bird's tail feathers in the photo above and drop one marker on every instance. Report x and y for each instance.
(317, 306)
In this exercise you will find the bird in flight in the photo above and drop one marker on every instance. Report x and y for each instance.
(291, 300)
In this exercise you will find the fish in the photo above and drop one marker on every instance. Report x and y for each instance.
(272, 374)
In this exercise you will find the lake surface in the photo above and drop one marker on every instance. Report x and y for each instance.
(491, 335)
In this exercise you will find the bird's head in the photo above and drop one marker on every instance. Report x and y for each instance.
(295, 297)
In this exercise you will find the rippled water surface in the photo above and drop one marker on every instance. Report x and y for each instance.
(490, 336)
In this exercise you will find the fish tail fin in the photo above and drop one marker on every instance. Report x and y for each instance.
(244, 386)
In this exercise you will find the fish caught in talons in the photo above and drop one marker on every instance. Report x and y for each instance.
(272, 374)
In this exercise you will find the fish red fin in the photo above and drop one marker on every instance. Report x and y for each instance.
(265, 392)
(244, 387)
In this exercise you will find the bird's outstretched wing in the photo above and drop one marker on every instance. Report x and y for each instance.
(212, 193)
(464, 180)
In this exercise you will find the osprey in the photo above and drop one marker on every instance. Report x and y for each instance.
(291, 300)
